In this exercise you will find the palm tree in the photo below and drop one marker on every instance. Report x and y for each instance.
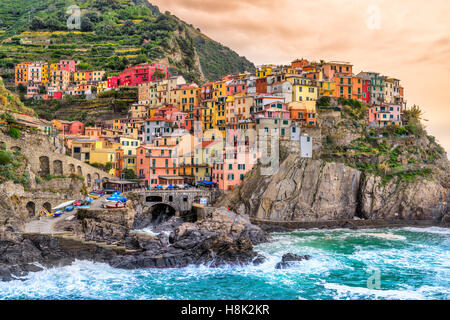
(414, 113)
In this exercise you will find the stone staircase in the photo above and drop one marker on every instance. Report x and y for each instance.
(68, 240)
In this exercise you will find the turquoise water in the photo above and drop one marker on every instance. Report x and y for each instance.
(414, 265)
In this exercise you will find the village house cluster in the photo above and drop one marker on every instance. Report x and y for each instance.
(181, 132)
(46, 81)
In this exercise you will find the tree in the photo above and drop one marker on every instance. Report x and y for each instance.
(21, 88)
(129, 174)
(86, 24)
(37, 23)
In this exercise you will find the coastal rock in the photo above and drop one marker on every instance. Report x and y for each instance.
(290, 259)
(301, 190)
(222, 237)
(317, 193)
(424, 199)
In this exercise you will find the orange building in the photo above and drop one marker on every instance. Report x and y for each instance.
(21, 72)
(299, 63)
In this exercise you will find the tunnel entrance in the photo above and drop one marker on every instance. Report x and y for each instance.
(161, 213)
(31, 207)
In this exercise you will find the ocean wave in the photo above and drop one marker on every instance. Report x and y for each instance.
(349, 292)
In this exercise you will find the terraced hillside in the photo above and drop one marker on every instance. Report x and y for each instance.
(114, 34)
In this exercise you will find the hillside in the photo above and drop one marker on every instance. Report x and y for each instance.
(114, 34)
(108, 105)
(11, 102)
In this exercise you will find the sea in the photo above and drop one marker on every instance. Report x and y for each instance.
(381, 264)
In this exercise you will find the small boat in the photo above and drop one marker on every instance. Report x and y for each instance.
(85, 206)
(57, 213)
(44, 213)
(77, 204)
(117, 205)
(95, 195)
(63, 205)
(111, 191)
(49, 214)
(70, 208)
(117, 198)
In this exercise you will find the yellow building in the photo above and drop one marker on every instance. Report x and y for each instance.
(129, 147)
(189, 97)
(79, 76)
(219, 120)
(327, 88)
(265, 70)
(220, 89)
(102, 86)
(104, 156)
(45, 72)
(303, 89)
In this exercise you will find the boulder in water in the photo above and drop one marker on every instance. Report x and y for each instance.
(290, 259)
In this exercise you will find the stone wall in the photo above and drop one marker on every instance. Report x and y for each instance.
(44, 156)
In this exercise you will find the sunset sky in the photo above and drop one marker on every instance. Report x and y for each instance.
(405, 39)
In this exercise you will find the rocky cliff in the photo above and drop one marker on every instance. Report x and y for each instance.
(357, 173)
(317, 191)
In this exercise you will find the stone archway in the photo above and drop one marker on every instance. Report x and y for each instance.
(44, 168)
(88, 179)
(31, 209)
(161, 212)
(71, 168)
(57, 168)
(96, 179)
(79, 171)
(47, 206)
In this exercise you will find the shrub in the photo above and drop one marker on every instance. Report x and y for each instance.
(14, 133)
(5, 157)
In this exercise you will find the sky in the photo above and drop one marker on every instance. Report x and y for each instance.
(405, 39)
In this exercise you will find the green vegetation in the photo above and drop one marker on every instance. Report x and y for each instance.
(105, 167)
(353, 108)
(14, 133)
(114, 34)
(323, 102)
(12, 168)
(74, 176)
(49, 177)
(78, 109)
(129, 174)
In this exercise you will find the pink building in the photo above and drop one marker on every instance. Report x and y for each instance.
(385, 114)
(178, 118)
(274, 110)
(239, 157)
(32, 90)
(236, 86)
(157, 164)
(68, 65)
(76, 127)
(141, 73)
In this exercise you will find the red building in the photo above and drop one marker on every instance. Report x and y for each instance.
(261, 85)
(366, 91)
(141, 73)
